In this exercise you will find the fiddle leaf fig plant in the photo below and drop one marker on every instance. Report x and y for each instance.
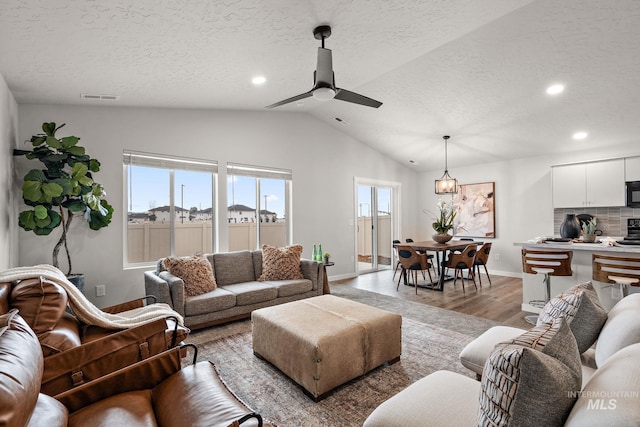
(63, 189)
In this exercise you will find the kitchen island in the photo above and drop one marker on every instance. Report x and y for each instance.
(609, 294)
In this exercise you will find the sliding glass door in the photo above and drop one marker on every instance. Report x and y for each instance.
(375, 227)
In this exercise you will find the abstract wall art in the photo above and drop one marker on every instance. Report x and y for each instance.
(476, 215)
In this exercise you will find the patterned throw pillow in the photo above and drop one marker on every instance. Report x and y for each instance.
(281, 263)
(581, 307)
(533, 379)
(195, 272)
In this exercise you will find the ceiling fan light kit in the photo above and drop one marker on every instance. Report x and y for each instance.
(324, 87)
(446, 184)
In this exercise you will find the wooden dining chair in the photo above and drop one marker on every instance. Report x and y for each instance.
(548, 263)
(429, 256)
(412, 262)
(620, 270)
(464, 260)
(482, 256)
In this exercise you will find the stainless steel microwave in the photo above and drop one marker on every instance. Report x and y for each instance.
(633, 194)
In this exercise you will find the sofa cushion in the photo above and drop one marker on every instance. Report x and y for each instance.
(21, 367)
(49, 412)
(582, 309)
(287, 288)
(196, 273)
(476, 353)
(442, 398)
(233, 267)
(252, 292)
(217, 300)
(65, 336)
(610, 398)
(621, 329)
(525, 385)
(41, 303)
(132, 409)
(281, 263)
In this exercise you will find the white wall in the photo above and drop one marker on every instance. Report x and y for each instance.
(523, 199)
(9, 193)
(324, 162)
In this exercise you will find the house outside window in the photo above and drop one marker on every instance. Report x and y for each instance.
(170, 210)
(259, 206)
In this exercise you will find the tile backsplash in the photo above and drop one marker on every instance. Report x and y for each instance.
(612, 221)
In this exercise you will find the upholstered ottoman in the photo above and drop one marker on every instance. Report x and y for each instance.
(325, 341)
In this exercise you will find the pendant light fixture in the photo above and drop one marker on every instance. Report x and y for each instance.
(446, 184)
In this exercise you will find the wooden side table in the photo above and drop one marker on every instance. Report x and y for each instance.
(325, 284)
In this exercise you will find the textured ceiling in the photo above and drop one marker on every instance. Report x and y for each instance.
(476, 70)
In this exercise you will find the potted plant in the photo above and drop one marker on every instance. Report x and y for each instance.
(443, 223)
(63, 189)
(589, 230)
(326, 255)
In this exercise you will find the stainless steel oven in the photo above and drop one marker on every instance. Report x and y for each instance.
(633, 194)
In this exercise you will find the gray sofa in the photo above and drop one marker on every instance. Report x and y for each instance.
(238, 292)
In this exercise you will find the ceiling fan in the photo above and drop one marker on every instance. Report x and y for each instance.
(324, 87)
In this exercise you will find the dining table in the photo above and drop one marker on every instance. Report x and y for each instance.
(430, 245)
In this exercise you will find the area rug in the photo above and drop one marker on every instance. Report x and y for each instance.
(432, 338)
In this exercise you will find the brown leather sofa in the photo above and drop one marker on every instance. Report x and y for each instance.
(75, 353)
(153, 392)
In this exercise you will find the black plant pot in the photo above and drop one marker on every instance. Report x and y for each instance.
(570, 228)
(77, 280)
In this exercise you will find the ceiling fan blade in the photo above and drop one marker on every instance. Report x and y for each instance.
(324, 70)
(292, 99)
(345, 95)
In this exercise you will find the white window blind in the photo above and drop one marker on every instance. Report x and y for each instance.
(165, 162)
(258, 171)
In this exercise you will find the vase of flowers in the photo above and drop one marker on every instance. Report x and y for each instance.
(443, 223)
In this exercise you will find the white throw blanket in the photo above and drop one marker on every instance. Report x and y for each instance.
(84, 310)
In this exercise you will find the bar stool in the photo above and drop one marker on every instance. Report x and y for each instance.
(548, 263)
(620, 270)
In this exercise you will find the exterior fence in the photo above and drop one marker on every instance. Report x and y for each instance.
(384, 238)
(150, 241)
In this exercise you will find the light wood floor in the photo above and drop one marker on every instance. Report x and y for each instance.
(500, 302)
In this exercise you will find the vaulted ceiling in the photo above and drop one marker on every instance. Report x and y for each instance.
(476, 70)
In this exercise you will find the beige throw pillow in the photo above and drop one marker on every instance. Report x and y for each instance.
(281, 263)
(195, 272)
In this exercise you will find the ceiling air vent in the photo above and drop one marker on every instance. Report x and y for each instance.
(99, 97)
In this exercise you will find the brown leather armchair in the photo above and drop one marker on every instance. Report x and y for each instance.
(155, 391)
(75, 353)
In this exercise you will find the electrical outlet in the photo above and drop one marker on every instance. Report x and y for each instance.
(100, 290)
(496, 257)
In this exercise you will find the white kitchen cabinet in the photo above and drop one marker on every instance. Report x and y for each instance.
(593, 184)
(632, 168)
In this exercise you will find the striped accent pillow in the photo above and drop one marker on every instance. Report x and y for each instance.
(532, 379)
(581, 307)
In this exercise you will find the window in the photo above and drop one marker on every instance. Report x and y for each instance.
(169, 206)
(259, 209)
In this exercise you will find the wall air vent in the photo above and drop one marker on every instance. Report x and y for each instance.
(89, 96)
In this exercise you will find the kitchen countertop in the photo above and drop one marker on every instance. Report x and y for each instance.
(593, 247)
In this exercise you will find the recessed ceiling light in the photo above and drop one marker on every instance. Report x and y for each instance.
(258, 80)
(555, 89)
(580, 135)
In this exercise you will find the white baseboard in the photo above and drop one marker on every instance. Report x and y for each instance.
(531, 309)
